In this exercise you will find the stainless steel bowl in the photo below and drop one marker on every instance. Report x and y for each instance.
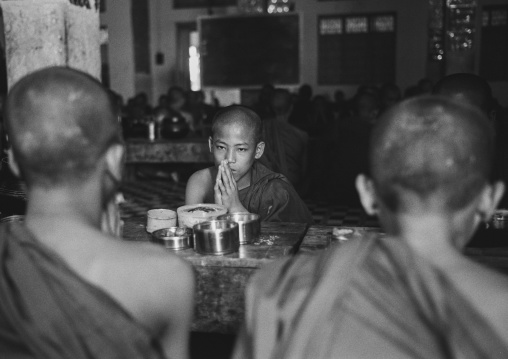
(13, 218)
(216, 237)
(249, 225)
(175, 238)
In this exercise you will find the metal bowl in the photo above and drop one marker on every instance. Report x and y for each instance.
(500, 219)
(175, 238)
(216, 237)
(13, 218)
(249, 225)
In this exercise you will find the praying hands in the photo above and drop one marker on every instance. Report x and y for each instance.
(225, 189)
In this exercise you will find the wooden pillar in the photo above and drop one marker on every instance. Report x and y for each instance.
(42, 33)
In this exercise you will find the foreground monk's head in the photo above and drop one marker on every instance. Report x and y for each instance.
(60, 122)
(434, 155)
(466, 88)
(236, 137)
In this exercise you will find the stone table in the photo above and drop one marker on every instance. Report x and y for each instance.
(187, 150)
(221, 280)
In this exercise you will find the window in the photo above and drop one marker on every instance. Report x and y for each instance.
(194, 72)
(494, 43)
(356, 49)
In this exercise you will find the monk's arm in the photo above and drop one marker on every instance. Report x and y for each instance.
(195, 192)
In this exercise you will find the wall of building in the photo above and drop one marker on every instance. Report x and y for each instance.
(412, 20)
(117, 18)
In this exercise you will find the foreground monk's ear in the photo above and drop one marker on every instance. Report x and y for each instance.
(210, 143)
(489, 199)
(114, 161)
(260, 148)
(13, 165)
(367, 193)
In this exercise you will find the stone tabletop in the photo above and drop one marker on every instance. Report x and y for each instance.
(221, 280)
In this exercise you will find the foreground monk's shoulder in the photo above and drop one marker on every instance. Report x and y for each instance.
(158, 288)
(199, 186)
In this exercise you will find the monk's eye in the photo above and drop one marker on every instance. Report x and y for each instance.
(242, 149)
(220, 148)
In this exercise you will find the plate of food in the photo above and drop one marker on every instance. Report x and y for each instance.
(192, 214)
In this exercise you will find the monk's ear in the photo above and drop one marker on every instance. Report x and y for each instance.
(210, 143)
(260, 149)
(367, 193)
(489, 199)
(13, 164)
(114, 157)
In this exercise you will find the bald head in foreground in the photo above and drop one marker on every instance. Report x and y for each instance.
(68, 287)
(411, 293)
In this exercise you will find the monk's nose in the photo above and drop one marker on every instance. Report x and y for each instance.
(231, 156)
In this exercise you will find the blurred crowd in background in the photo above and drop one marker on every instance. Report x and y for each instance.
(319, 143)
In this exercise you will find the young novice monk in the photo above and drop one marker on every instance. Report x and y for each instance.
(237, 180)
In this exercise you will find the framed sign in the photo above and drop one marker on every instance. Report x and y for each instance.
(250, 50)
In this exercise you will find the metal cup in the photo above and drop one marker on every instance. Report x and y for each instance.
(249, 225)
(160, 218)
(500, 219)
(216, 237)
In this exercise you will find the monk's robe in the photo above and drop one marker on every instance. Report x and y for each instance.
(48, 311)
(286, 149)
(369, 298)
(272, 197)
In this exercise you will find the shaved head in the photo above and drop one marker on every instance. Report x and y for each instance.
(466, 88)
(434, 148)
(60, 121)
(239, 115)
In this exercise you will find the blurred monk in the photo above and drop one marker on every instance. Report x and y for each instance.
(67, 288)
(411, 293)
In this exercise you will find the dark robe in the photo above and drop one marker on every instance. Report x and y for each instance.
(368, 298)
(272, 197)
(48, 311)
(285, 149)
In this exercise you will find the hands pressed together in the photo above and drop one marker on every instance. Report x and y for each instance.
(225, 189)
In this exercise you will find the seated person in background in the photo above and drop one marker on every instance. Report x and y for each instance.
(411, 294)
(468, 89)
(286, 145)
(176, 105)
(67, 288)
(238, 181)
(473, 90)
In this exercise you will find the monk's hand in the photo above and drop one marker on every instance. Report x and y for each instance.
(217, 195)
(111, 223)
(229, 190)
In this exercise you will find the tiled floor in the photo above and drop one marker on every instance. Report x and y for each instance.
(142, 195)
